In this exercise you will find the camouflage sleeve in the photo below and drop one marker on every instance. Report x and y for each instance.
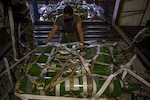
(58, 21)
(78, 19)
(141, 35)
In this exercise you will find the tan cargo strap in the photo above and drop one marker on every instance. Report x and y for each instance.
(71, 86)
(56, 76)
(109, 79)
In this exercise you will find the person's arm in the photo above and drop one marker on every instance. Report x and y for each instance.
(141, 35)
(51, 34)
(80, 32)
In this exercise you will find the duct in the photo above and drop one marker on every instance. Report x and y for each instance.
(35, 9)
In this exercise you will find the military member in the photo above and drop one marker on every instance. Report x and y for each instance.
(71, 27)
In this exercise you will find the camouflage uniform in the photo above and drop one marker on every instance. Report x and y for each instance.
(69, 31)
(142, 39)
(28, 32)
(21, 16)
(144, 33)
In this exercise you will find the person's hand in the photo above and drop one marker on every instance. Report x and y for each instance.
(46, 41)
(81, 46)
(41, 43)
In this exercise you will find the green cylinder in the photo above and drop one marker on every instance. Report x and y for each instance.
(101, 69)
(50, 74)
(42, 59)
(104, 49)
(79, 87)
(40, 49)
(90, 53)
(113, 90)
(104, 58)
(69, 87)
(116, 51)
(33, 58)
(35, 70)
(26, 86)
(131, 87)
(48, 49)
(119, 60)
(38, 58)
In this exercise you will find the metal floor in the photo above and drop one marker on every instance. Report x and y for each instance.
(100, 31)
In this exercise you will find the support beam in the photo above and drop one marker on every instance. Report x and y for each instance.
(96, 2)
(146, 7)
(35, 9)
(46, 2)
(107, 7)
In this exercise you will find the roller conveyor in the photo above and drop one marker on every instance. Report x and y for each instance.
(91, 30)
